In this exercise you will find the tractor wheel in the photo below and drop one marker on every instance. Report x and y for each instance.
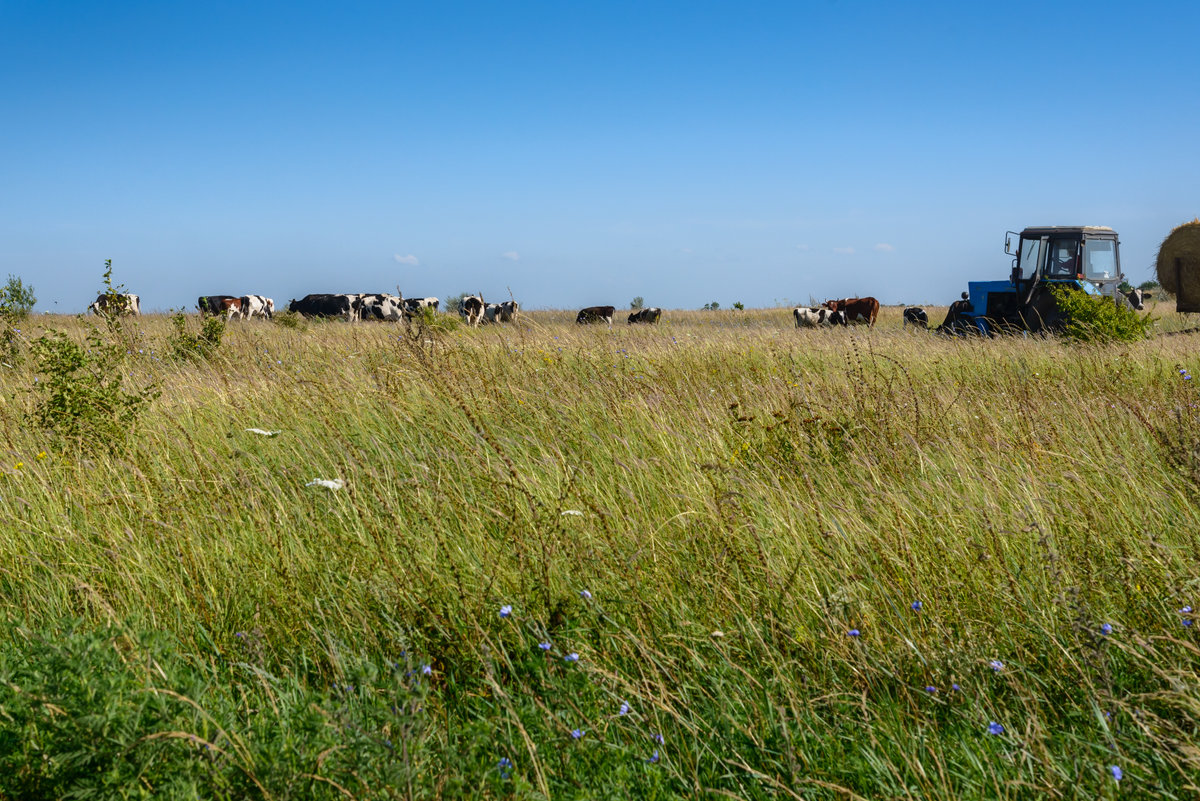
(1042, 315)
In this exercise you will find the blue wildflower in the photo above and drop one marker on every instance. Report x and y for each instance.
(995, 728)
(585, 595)
(653, 757)
(572, 657)
(853, 633)
(577, 734)
(1116, 772)
(997, 665)
(426, 670)
(656, 737)
(545, 646)
(916, 606)
(505, 611)
(624, 708)
(956, 688)
(1106, 629)
(931, 689)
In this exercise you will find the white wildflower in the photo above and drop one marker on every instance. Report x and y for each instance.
(574, 512)
(333, 484)
(263, 433)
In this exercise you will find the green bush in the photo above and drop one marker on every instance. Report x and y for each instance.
(81, 393)
(16, 300)
(195, 347)
(289, 319)
(1098, 318)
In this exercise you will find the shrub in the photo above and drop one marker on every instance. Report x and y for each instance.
(16, 299)
(1098, 318)
(81, 391)
(289, 319)
(186, 345)
(637, 303)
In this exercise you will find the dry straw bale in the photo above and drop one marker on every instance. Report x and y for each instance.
(1183, 243)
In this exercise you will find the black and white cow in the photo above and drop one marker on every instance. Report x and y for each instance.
(651, 314)
(213, 304)
(509, 310)
(472, 308)
(324, 305)
(257, 306)
(414, 305)
(1135, 298)
(596, 314)
(125, 303)
(811, 317)
(916, 316)
(382, 306)
(491, 313)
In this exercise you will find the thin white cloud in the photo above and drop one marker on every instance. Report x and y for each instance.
(511, 255)
(410, 259)
(805, 248)
(686, 251)
(885, 247)
(844, 251)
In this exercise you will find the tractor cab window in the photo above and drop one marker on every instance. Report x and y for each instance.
(1031, 257)
(1100, 259)
(1064, 259)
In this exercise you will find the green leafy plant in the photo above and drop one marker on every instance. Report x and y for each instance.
(186, 345)
(637, 303)
(1098, 318)
(16, 299)
(289, 319)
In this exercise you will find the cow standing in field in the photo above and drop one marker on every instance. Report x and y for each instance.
(857, 310)
(509, 310)
(651, 314)
(415, 305)
(491, 312)
(808, 317)
(953, 324)
(323, 305)
(126, 303)
(596, 314)
(231, 308)
(212, 304)
(916, 316)
(472, 308)
(257, 306)
(1134, 298)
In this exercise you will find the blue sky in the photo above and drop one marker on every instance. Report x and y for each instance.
(582, 153)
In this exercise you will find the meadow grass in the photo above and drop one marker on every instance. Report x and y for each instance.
(718, 556)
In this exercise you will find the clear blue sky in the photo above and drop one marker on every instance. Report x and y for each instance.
(583, 153)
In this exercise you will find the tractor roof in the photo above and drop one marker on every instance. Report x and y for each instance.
(1053, 230)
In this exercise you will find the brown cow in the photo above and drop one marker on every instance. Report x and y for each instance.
(596, 314)
(858, 310)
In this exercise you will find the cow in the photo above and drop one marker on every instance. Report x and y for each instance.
(1135, 298)
(858, 310)
(596, 314)
(491, 313)
(471, 308)
(382, 306)
(323, 305)
(509, 310)
(415, 305)
(807, 317)
(651, 314)
(258, 306)
(211, 304)
(124, 303)
(231, 308)
(916, 316)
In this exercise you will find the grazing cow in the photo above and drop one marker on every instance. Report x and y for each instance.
(323, 305)
(858, 310)
(471, 308)
(211, 304)
(596, 314)
(491, 312)
(509, 310)
(117, 304)
(258, 306)
(651, 314)
(807, 317)
(916, 316)
(414, 305)
(231, 308)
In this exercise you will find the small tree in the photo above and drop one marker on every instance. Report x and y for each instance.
(637, 303)
(738, 305)
(1148, 285)
(16, 299)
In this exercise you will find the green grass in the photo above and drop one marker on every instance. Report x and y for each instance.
(183, 615)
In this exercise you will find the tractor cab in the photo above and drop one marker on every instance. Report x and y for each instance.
(1083, 257)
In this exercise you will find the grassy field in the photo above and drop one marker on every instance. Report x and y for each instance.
(719, 557)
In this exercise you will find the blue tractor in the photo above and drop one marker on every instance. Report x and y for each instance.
(1082, 257)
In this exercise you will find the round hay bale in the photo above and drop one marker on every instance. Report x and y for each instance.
(1183, 243)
